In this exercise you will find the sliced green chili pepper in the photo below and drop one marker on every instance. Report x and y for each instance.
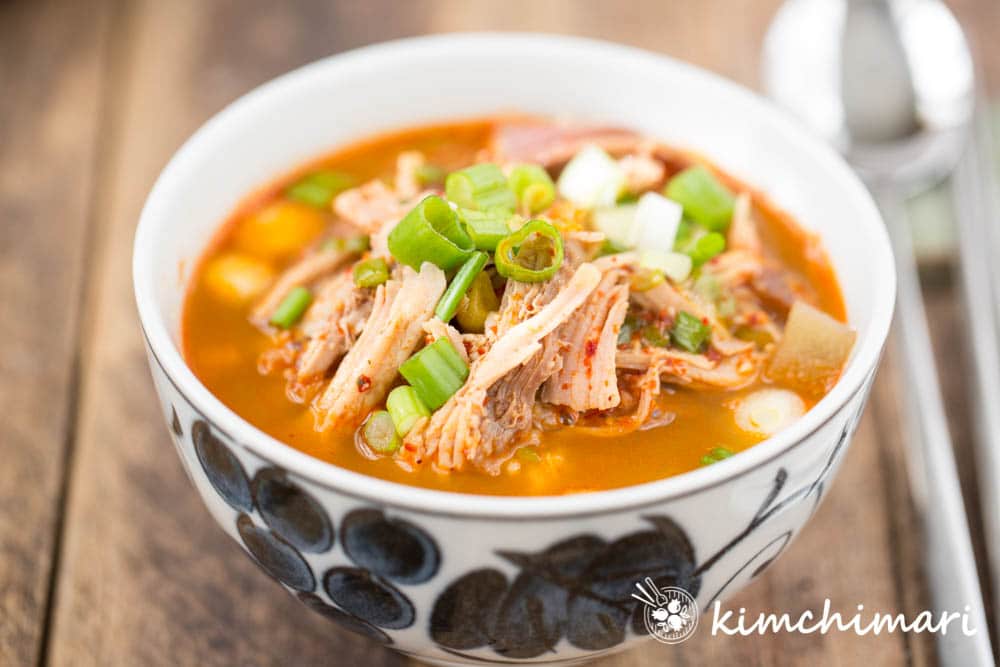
(532, 254)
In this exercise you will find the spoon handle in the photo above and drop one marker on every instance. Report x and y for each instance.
(951, 568)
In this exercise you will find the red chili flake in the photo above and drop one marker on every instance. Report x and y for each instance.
(590, 348)
(704, 321)
(364, 383)
(712, 354)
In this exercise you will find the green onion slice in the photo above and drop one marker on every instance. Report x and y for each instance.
(448, 304)
(379, 433)
(532, 254)
(429, 174)
(486, 228)
(371, 272)
(354, 245)
(405, 408)
(715, 455)
(532, 186)
(704, 248)
(652, 335)
(685, 232)
(319, 188)
(430, 233)
(435, 372)
(477, 304)
(479, 187)
(627, 330)
(689, 332)
(705, 200)
(291, 308)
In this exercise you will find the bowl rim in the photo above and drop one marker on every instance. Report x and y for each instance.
(168, 357)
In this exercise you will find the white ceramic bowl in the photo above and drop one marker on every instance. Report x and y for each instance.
(471, 578)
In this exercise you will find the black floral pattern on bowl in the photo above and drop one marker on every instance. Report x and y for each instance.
(224, 471)
(291, 512)
(579, 588)
(275, 555)
(385, 550)
(342, 618)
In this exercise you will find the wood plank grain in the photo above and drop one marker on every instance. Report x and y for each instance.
(49, 117)
(146, 577)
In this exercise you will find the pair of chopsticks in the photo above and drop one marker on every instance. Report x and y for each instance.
(977, 212)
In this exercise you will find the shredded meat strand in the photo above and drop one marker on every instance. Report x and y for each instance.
(587, 379)
(306, 271)
(454, 434)
(391, 334)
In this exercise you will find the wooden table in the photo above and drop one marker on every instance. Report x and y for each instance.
(106, 555)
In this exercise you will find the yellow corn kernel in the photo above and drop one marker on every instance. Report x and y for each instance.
(280, 229)
(236, 278)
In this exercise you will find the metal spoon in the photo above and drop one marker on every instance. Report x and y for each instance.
(890, 83)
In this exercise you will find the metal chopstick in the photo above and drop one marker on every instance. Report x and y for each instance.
(951, 567)
(976, 209)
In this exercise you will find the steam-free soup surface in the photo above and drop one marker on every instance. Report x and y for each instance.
(688, 427)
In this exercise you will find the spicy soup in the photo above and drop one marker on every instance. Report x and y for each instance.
(515, 307)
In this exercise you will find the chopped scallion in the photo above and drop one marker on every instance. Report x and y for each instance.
(460, 284)
(532, 254)
(319, 188)
(430, 233)
(715, 455)
(477, 304)
(609, 247)
(435, 372)
(689, 332)
(371, 272)
(685, 232)
(405, 407)
(652, 335)
(533, 187)
(704, 248)
(429, 174)
(291, 308)
(379, 433)
(486, 228)
(479, 187)
(354, 245)
(674, 265)
(618, 224)
(629, 326)
(592, 178)
(705, 200)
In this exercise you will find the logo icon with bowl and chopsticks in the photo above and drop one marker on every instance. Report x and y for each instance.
(670, 613)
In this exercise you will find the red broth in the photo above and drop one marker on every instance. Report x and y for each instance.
(222, 348)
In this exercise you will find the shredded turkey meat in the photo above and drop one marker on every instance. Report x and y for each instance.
(332, 324)
(393, 330)
(309, 269)
(589, 346)
(694, 370)
(587, 379)
(468, 428)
